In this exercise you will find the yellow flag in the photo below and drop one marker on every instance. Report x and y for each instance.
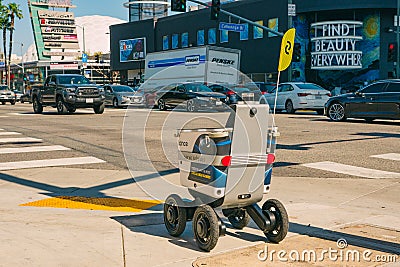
(287, 45)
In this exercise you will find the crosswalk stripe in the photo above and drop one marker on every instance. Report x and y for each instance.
(9, 133)
(1, 129)
(391, 156)
(19, 140)
(28, 149)
(48, 163)
(352, 170)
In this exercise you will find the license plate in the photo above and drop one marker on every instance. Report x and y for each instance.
(218, 103)
(247, 95)
(318, 97)
(89, 100)
(136, 100)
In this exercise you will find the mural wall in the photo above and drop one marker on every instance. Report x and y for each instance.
(339, 41)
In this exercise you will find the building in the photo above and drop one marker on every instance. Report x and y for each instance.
(338, 43)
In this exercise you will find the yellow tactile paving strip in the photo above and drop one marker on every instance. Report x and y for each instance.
(94, 203)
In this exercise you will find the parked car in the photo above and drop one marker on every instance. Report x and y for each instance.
(295, 95)
(145, 97)
(118, 95)
(380, 100)
(18, 95)
(6, 95)
(195, 96)
(235, 93)
(265, 87)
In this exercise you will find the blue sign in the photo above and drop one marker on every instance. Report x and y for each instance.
(223, 26)
(84, 58)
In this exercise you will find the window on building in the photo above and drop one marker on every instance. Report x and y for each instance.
(212, 36)
(257, 31)
(175, 41)
(244, 35)
(273, 25)
(165, 43)
(185, 39)
(200, 37)
(224, 36)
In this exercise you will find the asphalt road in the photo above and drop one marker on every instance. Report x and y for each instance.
(305, 138)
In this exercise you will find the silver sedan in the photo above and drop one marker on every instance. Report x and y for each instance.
(118, 95)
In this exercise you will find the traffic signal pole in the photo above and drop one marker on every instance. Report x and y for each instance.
(241, 18)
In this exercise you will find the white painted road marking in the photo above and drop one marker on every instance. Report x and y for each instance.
(351, 170)
(9, 133)
(19, 140)
(28, 149)
(391, 156)
(1, 129)
(48, 163)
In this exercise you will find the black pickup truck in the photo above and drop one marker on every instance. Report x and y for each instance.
(67, 92)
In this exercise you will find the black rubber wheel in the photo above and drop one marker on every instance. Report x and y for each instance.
(99, 109)
(191, 106)
(161, 104)
(369, 120)
(289, 107)
(281, 228)
(239, 219)
(336, 112)
(37, 106)
(3, 103)
(205, 227)
(61, 108)
(320, 111)
(22, 101)
(115, 103)
(12, 102)
(174, 216)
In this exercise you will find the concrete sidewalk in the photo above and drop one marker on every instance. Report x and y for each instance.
(49, 236)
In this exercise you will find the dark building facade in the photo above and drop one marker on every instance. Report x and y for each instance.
(339, 43)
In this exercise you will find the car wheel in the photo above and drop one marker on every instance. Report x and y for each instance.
(289, 107)
(12, 102)
(336, 112)
(71, 109)
(161, 104)
(369, 120)
(61, 108)
(3, 103)
(22, 101)
(191, 106)
(320, 111)
(99, 109)
(37, 106)
(115, 103)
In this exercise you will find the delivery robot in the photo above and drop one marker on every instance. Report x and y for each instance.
(227, 168)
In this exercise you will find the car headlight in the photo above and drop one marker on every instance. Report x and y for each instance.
(203, 98)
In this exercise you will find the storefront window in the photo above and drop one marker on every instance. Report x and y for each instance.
(200, 37)
(185, 39)
(273, 25)
(212, 36)
(257, 31)
(244, 35)
(175, 41)
(165, 43)
(224, 37)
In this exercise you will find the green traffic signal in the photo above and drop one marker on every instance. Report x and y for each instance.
(215, 8)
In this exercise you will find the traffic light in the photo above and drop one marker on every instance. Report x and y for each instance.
(296, 52)
(215, 8)
(392, 52)
(178, 5)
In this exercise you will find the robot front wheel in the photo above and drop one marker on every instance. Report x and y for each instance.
(278, 233)
(206, 227)
(175, 215)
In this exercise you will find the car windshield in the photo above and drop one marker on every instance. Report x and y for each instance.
(241, 89)
(197, 87)
(73, 80)
(122, 88)
(4, 87)
(309, 86)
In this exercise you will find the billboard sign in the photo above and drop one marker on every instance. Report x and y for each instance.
(60, 38)
(58, 30)
(132, 49)
(53, 3)
(48, 14)
(61, 45)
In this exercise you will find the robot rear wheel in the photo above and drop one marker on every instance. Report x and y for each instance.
(175, 215)
(206, 227)
(238, 218)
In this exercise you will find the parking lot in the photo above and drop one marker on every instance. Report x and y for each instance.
(68, 198)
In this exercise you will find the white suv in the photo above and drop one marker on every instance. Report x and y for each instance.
(297, 95)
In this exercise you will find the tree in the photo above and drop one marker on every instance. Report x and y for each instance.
(13, 11)
(4, 25)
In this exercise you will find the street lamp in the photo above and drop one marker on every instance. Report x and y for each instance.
(83, 36)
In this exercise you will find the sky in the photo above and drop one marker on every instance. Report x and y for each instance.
(23, 29)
